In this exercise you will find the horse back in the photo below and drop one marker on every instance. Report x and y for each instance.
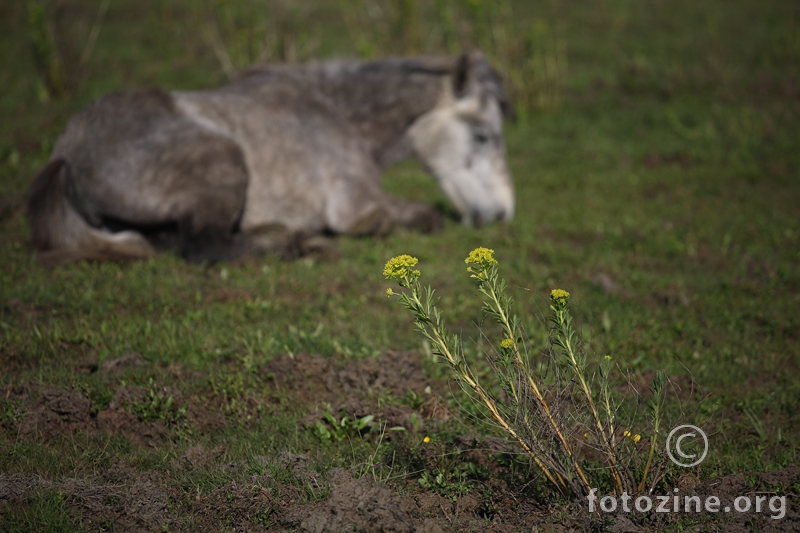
(134, 156)
(296, 145)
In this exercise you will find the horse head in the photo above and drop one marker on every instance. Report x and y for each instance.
(461, 142)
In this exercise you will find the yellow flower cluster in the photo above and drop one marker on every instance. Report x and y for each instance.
(481, 260)
(559, 296)
(507, 344)
(482, 257)
(401, 268)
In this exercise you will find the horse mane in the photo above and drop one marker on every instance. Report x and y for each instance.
(381, 98)
(432, 65)
(322, 73)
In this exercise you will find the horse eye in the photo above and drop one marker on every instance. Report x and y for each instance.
(479, 138)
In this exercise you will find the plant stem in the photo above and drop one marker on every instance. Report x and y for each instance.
(565, 331)
(656, 423)
(503, 317)
(478, 389)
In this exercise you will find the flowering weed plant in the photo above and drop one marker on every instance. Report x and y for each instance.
(545, 412)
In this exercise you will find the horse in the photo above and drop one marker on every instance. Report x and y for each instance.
(273, 161)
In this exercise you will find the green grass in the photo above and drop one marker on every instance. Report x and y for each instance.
(671, 167)
(49, 514)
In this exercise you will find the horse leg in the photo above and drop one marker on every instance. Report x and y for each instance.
(418, 216)
(387, 212)
(199, 181)
(353, 204)
(358, 206)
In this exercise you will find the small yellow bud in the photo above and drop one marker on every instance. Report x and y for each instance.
(389, 292)
(637, 438)
(426, 440)
(626, 433)
(507, 344)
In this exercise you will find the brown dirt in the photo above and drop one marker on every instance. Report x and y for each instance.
(52, 412)
(606, 282)
(114, 367)
(140, 504)
(304, 375)
(358, 505)
(353, 387)
(124, 497)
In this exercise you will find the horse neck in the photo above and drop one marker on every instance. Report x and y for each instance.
(383, 98)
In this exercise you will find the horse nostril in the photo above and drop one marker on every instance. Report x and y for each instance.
(477, 218)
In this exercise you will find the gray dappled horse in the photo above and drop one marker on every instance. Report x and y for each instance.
(270, 161)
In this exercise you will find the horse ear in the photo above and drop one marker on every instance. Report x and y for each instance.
(471, 69)
(461, 75)
(473, 72)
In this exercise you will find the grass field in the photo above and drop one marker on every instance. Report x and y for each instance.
(657, 174)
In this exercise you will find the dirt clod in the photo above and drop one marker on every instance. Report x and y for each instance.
(56, 412)
(357, 505)
(113, 367)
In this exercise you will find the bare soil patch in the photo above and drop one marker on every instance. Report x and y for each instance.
(123, 497)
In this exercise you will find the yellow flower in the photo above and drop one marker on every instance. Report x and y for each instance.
(389, 292)
(401, 268)
(559, 296)
(637, 438)
(480, 260)
(426, 440)
(586, 436)
(482, 257)
(626, 433)
(608, 358)
(506, 343)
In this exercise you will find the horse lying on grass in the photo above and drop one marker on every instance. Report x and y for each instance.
(270, 161)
